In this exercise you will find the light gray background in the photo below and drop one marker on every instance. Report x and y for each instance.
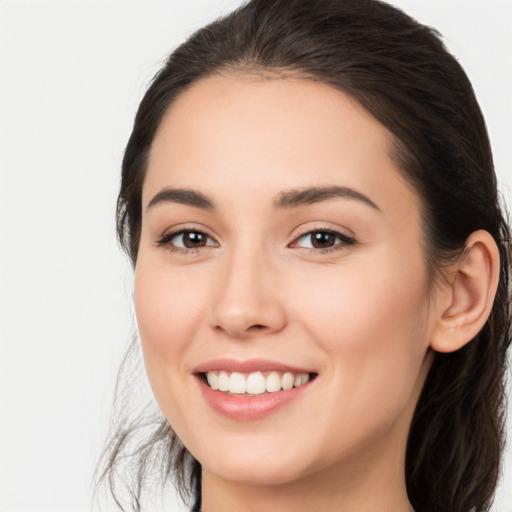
(71, 75)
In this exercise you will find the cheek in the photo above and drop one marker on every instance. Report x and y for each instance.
(168, 306)
(383, 296)
(372, 322)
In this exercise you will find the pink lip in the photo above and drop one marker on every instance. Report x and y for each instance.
(247, 366)
(243, 407)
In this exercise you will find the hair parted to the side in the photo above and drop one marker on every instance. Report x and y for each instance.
(400, 71)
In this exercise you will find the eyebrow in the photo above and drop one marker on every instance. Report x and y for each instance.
(310, 195)
(288, 199)
(182, 196)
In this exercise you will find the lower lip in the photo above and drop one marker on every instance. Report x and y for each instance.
(243, 407)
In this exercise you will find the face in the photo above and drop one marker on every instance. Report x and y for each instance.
(281, 259)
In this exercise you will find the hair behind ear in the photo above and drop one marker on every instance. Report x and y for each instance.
(460, 416)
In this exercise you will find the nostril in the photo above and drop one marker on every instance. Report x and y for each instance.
(257, 327)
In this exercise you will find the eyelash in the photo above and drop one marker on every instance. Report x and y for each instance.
(167, 239)
(343, 241)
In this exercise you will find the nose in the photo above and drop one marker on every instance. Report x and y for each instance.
(247, 300)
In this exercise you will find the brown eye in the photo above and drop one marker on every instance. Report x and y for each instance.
(323, 239)
(193, 239)
(186, 239)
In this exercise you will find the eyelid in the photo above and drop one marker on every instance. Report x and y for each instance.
(312, 227)
(346, 239)
(165, 239)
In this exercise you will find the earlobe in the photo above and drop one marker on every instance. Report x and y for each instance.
(469, 294)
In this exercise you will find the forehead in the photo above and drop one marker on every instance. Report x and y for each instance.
(268, 134)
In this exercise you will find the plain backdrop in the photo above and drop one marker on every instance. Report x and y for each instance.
(71, 75)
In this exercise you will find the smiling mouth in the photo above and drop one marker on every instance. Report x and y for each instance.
(255, 383)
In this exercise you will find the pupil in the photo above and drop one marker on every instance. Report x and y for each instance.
(193, 239)
(322, 239)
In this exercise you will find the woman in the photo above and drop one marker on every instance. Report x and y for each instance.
(321, 266)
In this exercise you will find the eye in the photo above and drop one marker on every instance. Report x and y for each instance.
(323, 239)
(186, 239)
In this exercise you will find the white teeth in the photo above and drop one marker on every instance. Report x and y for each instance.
(255, 383)
(287, 381)
(237, 383)
(223, 381)
(213, 380)
(273, 382)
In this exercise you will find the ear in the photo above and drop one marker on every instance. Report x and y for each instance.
(466, 299)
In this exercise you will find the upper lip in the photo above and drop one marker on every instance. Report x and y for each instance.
(247, 366)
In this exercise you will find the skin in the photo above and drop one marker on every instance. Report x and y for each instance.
(363, 316)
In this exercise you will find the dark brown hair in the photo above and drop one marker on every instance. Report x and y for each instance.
(400, 71)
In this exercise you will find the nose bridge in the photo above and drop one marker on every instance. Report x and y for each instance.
(246, 299)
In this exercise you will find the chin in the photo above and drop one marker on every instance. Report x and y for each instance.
(243, 472)
(256, 463)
